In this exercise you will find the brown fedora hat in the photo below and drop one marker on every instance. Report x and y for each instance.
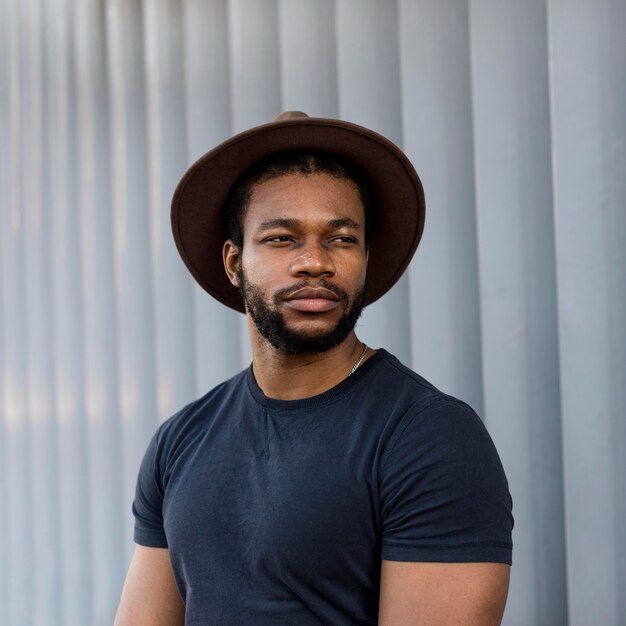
(396, 190)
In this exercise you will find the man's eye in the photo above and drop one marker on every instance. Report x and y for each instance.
(278, 239)
(345, 239)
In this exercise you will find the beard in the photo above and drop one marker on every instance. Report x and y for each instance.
(272, 326)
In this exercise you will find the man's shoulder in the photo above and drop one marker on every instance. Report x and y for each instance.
(404, 374)
(394, 377)
(410, 389)
(198, 411)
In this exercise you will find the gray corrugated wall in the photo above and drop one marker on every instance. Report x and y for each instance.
(514, 114)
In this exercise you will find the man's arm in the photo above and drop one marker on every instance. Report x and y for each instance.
(442, 594)
(150, 596)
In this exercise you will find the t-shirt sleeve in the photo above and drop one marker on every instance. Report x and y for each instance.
(148, 503)
(443, 493)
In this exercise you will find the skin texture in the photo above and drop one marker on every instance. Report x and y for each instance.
(442, 594)
(321, 244)
(150, 596)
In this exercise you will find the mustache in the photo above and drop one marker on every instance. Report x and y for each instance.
(288, 291)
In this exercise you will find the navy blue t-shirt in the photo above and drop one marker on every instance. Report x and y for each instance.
(279, 511)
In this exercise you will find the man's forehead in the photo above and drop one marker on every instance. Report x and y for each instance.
(318, 178)
(319, 197)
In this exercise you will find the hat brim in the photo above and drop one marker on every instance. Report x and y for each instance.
(396, 190)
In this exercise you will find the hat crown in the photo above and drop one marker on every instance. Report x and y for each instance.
(290, 115)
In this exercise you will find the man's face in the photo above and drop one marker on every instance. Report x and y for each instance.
(302, 270)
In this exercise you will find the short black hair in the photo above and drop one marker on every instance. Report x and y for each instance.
(293, 162)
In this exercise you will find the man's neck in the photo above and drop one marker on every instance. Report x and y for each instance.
(285, 376)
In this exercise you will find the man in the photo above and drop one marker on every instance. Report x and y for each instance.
(327, 483)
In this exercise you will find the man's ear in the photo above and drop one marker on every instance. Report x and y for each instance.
(232, 258)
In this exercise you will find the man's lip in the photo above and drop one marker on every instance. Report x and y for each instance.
(312, 300)
(313, 293)
(312, 305)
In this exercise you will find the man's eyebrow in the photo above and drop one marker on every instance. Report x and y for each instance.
(279, 222)
(287, 222)
(344, 221)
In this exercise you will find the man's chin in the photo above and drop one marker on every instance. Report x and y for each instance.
(299, 340)
(311, 325)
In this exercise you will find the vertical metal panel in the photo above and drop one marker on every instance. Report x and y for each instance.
(207, 77)
(73, 474)
(16, 427)
(588, 91)
(35, 180)
(436, 100)
(4, 438)
(4, 442)
(255, 62)
(135, 317)
(207, 99)
(5, 202)
(368, 65)
(308, 57)
(167, 154)
(518, 304)
(99, 307)
(369, 94)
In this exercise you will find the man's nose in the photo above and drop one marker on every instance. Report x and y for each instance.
(312, 260)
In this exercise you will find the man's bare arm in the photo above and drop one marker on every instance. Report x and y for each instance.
(442, 594)
(150, 596)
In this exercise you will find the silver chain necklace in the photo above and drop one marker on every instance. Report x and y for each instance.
(358, 361)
